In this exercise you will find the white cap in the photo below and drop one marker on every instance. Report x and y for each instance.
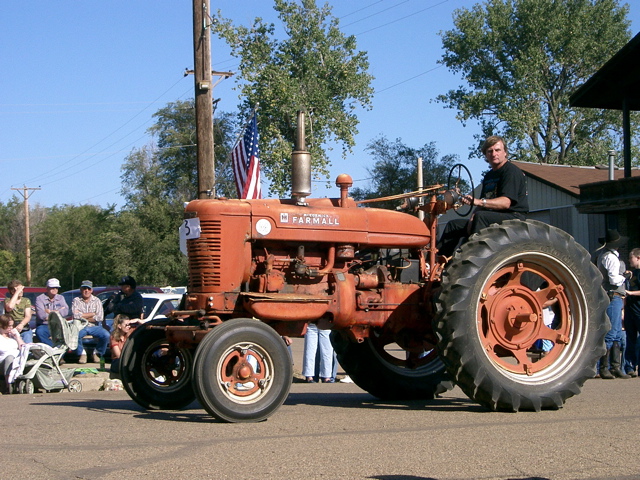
(53, 283)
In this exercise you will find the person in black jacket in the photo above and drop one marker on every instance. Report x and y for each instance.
(503, 197)
(127, 301)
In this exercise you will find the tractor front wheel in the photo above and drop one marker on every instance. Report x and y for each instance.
(242, 372)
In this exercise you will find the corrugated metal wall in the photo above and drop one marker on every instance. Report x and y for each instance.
(555, 207)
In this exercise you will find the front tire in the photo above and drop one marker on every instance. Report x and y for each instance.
(242, 371)
(375, 369)
(156, 373)
(493, 313)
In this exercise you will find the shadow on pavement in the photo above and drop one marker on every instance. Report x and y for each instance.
(365, 400)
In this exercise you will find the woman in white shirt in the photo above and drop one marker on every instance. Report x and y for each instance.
(10, 342)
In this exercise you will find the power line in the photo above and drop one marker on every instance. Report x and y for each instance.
(374, 14)
(402, 18)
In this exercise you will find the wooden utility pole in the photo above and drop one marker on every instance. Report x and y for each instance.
(24, 191)
(203, 97)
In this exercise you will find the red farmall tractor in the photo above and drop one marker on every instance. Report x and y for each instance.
(405, 320)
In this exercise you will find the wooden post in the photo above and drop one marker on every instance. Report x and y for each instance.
(203, 97)
(25, 194)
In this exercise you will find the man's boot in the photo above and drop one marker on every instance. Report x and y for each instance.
(604, 367)
(615, 361)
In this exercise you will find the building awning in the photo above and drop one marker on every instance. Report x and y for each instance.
(617, 81)
(616, 86)
(610, 196)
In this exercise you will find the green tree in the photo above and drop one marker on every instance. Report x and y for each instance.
(522, 59)
(12, 235)
(8, 267)
(71, 244)
(315, 68)
(394, 169)
(171, 165)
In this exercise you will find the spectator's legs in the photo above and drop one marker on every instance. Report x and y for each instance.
(42, 331)
(102, 336)
(27, 336)
(7, 364)
(326, 354)
(310, 348)
(614, 312)
(630, 352)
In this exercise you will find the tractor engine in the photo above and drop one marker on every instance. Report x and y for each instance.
(288, 264)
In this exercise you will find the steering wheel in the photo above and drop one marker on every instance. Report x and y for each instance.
(459, 183)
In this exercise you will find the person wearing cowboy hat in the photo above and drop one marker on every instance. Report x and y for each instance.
(613, 281)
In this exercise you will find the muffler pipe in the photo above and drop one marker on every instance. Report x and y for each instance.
(300, 165)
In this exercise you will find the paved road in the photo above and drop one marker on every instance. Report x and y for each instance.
(323, 431)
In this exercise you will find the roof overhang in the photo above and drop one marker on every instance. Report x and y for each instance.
(617, 82)
(609, 196)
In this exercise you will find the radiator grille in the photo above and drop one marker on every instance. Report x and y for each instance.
(205, 256)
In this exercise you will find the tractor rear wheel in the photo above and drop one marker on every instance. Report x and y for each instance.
(521, 316)
(156, 373)
(373, 366)
(242, 371)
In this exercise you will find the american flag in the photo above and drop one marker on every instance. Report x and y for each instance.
(246, 162)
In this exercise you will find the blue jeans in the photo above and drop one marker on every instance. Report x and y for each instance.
(27, 336)
(314, 340)
(632, 328)
(44, 335)
(614, 312)
(97, 332)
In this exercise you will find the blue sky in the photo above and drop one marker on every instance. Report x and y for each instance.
(80, 82)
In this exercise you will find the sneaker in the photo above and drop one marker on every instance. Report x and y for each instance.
(346, 379)
(82, 358)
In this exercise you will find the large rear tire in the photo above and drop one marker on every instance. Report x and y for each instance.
(497, 294)
(372, 366)
(156, 373)
(242, 371)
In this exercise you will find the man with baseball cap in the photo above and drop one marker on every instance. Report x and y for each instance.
(87, 309)
(128, 301)
(47, 304)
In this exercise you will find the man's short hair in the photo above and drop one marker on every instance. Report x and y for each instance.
(491, 141)
(635, 252)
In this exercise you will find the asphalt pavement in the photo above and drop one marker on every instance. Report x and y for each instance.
(323, 431)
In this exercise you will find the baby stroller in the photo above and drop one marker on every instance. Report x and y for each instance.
(42, 368)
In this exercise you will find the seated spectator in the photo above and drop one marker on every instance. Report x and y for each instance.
(122, 327)
(10, 342)
(87, 308)
(50, 302)
(19, 307)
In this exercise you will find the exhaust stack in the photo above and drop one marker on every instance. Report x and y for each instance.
(300, 165)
